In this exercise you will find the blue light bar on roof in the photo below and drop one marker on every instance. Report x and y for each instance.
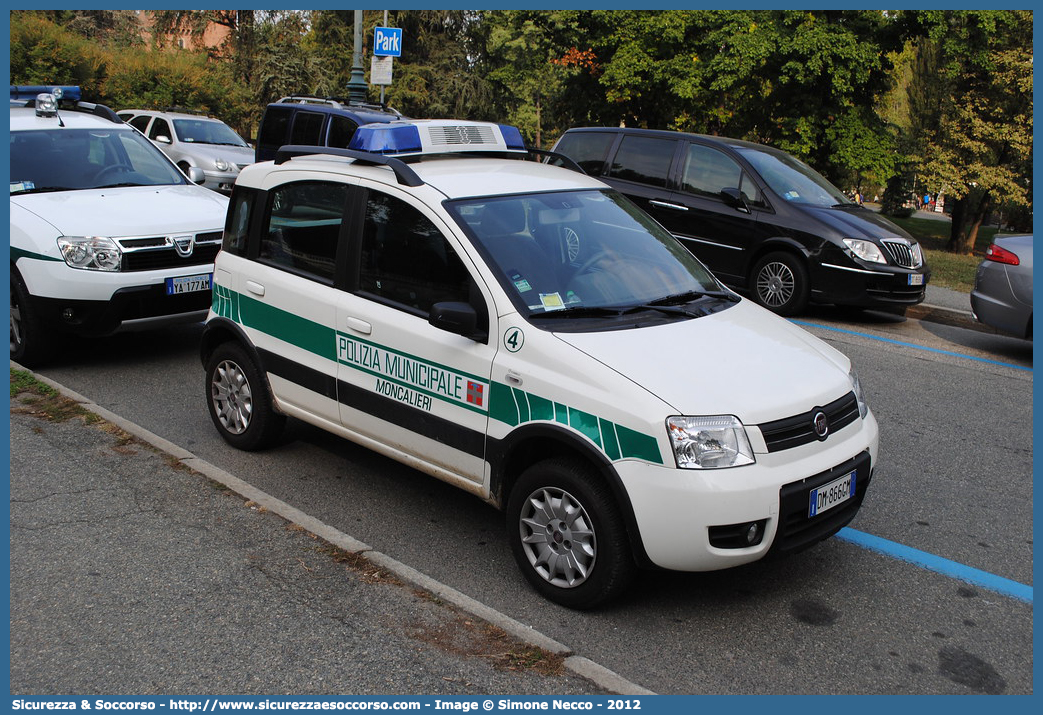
(387, 139)
(26, 92)
(436, 136)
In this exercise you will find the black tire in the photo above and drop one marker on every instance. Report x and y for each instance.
(32, 343)
(239, 401)
(579, 559)
(780, 283)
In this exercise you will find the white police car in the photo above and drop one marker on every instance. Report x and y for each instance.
(526, 333)
(106, 232)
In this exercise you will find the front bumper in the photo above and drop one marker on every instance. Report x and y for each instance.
(674, 509)
(837, 278)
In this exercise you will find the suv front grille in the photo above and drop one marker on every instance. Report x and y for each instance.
(902, 253)
(800, 429)
(157, 252)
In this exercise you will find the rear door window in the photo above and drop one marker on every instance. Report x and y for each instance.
(645, 160)
(588, 149)
(307, 129)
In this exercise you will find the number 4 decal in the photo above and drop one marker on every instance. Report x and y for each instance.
(513, 340)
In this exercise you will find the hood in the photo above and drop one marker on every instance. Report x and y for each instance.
(743, 361)
(235, 154)
(129, 211)
(857, 222)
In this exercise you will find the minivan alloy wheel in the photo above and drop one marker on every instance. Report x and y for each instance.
(780, 283)
(775, 284)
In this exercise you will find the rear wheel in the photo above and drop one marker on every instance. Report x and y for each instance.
(780, 283)
(239, 401)
(567, 534)
(31, 342)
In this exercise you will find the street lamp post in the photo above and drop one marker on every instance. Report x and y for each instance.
(357, 83)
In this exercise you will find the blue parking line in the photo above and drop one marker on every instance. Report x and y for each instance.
(937, 564)
(910, 345)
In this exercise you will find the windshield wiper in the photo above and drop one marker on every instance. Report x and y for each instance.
(689, 296)
(583, 311)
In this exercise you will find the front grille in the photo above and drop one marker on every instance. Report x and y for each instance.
(797, 530)
(151, 253)
(800, 429)
(903, 253)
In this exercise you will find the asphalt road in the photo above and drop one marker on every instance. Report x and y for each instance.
(955, 481)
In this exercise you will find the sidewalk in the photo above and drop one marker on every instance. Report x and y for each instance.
(133, 574)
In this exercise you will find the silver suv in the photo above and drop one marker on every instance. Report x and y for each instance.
(195, 140)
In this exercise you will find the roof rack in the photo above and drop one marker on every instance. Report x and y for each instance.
(183, 110)
(405, 175)
(333, 101)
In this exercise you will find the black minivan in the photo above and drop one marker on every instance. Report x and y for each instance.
(760, 219)
(314, 121)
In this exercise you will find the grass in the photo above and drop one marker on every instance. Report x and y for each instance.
(30, 396)
(948, 270)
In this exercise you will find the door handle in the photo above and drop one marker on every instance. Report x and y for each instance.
(668, 205)
(360, 326)
(255, 288)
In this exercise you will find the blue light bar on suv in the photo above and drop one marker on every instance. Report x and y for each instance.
(436, 136)
(27, 92)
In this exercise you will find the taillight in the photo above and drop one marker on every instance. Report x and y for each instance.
(1001, 255)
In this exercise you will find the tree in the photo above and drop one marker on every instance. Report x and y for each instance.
(43, 52)
(977, 142)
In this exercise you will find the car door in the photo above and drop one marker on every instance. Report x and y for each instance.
(284, 295)
(715, 211)
(408, 386)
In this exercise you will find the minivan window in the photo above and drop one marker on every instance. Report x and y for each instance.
(273, 128)
(341, 131)
(794, 180)
(707, 172)
(643, 159)
(307, 129)
(588, 149)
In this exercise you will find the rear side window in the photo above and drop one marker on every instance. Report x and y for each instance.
(645, 160)
(307, 129)
(304, 228)
(341, 131)
(275, 127)
(588, 149)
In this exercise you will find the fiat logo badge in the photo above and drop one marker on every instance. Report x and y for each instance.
(820, 423)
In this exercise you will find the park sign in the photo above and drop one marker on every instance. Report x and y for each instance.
(387, 41)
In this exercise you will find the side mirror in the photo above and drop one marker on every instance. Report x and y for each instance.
(733, 197)
(196, 175)
(455, 317)
(164, 139)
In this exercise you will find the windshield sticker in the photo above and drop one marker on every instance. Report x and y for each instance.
(18, 187)
(519, 282)
(551, 301)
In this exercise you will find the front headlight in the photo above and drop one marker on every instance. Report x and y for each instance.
(860, 397)
(222, 165)
(866, 250)
(92, 253)
(709, 442)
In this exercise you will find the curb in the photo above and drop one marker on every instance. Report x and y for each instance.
(583, 667)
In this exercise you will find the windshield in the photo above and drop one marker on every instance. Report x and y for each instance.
(584, 254)
(73, 159)
(199, 131)
(794, 180)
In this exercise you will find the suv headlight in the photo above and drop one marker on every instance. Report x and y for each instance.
(866, 250)
(712, 442)
(92, 253)
(860, 397)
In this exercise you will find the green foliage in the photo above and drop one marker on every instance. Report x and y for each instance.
(45, 53)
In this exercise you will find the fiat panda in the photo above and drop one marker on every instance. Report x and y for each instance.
(526, 333)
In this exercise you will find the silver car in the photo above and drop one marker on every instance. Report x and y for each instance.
(195, 140)
(1002, 295)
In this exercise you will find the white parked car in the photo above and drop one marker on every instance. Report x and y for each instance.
(524, 332)
(195, 140)
(105, 231)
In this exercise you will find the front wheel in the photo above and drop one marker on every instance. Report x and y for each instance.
(239, 401)
(31, 342)
(567, 534)
(780, 283)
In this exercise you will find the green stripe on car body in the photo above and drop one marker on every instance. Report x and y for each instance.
(19, 253)
(506, 404)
